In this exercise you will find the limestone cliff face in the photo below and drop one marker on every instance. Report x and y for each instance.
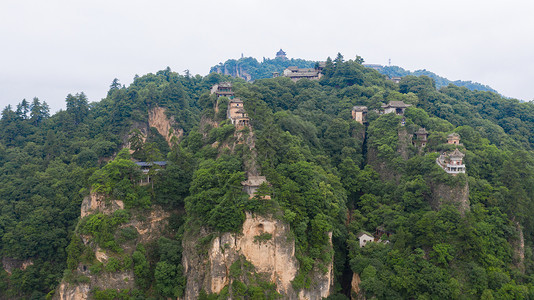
(237, 71)
(9, 264)
(445, 194)
(149, 226)
(355, 287)
(382, 166)
(159, 120)
(78, 292)
(273, 258)
(519, 248)
(97, 202)
(405, 141)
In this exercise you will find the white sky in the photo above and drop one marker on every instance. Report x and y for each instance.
(52, 48)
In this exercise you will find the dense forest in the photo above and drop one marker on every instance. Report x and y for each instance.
(327, 174)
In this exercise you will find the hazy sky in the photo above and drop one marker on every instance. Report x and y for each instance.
(52, 48)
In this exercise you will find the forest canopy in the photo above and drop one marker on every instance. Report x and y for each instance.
(327, 174)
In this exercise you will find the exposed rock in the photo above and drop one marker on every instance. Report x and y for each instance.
(9, 264)
(274, 258)
(149, 225)
(99, 202)
(355, 287)
(405, 141)
(158, 119)
(69, 292)
(322, 282)
(101, 255)
(380, 166)
(519, 248)
(237, 71)
(442, 193)
(165, 126)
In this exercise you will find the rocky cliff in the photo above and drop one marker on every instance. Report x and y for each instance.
(355, 291)
(158, 119)
(442, 193)
(148, 226)
(165, 126)
(273, 258)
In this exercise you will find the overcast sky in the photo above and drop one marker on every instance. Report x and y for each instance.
(52, 48)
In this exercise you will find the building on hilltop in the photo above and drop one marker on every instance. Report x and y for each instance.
(396, 107)
(281, 54)
(251, 185)
(295, 73)
(396, 79)
(359, 114)
(237, 114)
(453, 138)
(421, 138)
(452, 163)
(223, 89)
(146, 167)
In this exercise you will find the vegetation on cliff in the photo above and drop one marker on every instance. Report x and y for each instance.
(327, 172)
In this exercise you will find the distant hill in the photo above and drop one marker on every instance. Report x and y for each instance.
(393, 71)
(250, 69)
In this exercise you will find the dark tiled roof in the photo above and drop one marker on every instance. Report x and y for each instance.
(149, 164)
(359, 108)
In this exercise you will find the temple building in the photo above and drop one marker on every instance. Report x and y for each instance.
(421, 138)
(295, 73)
(251, 185)
(396, 107)
(452, 163)
(237, 114)
(281, 54)
(146, 167)
(223, 89)
(359, 114)
(453, 138)
(396, 79)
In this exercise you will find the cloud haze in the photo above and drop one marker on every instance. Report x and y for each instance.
(52, 48)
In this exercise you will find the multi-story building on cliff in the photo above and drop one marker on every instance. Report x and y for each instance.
(452, 163)
(223, 89)
(421, 138)
(359, 114)
(237, 114)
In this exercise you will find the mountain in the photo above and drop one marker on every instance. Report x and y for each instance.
(250, 69)
(395, 71)
(214, 188)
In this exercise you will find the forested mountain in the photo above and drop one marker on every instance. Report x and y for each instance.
(330, 179)
(250, 69)
(395, 71)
